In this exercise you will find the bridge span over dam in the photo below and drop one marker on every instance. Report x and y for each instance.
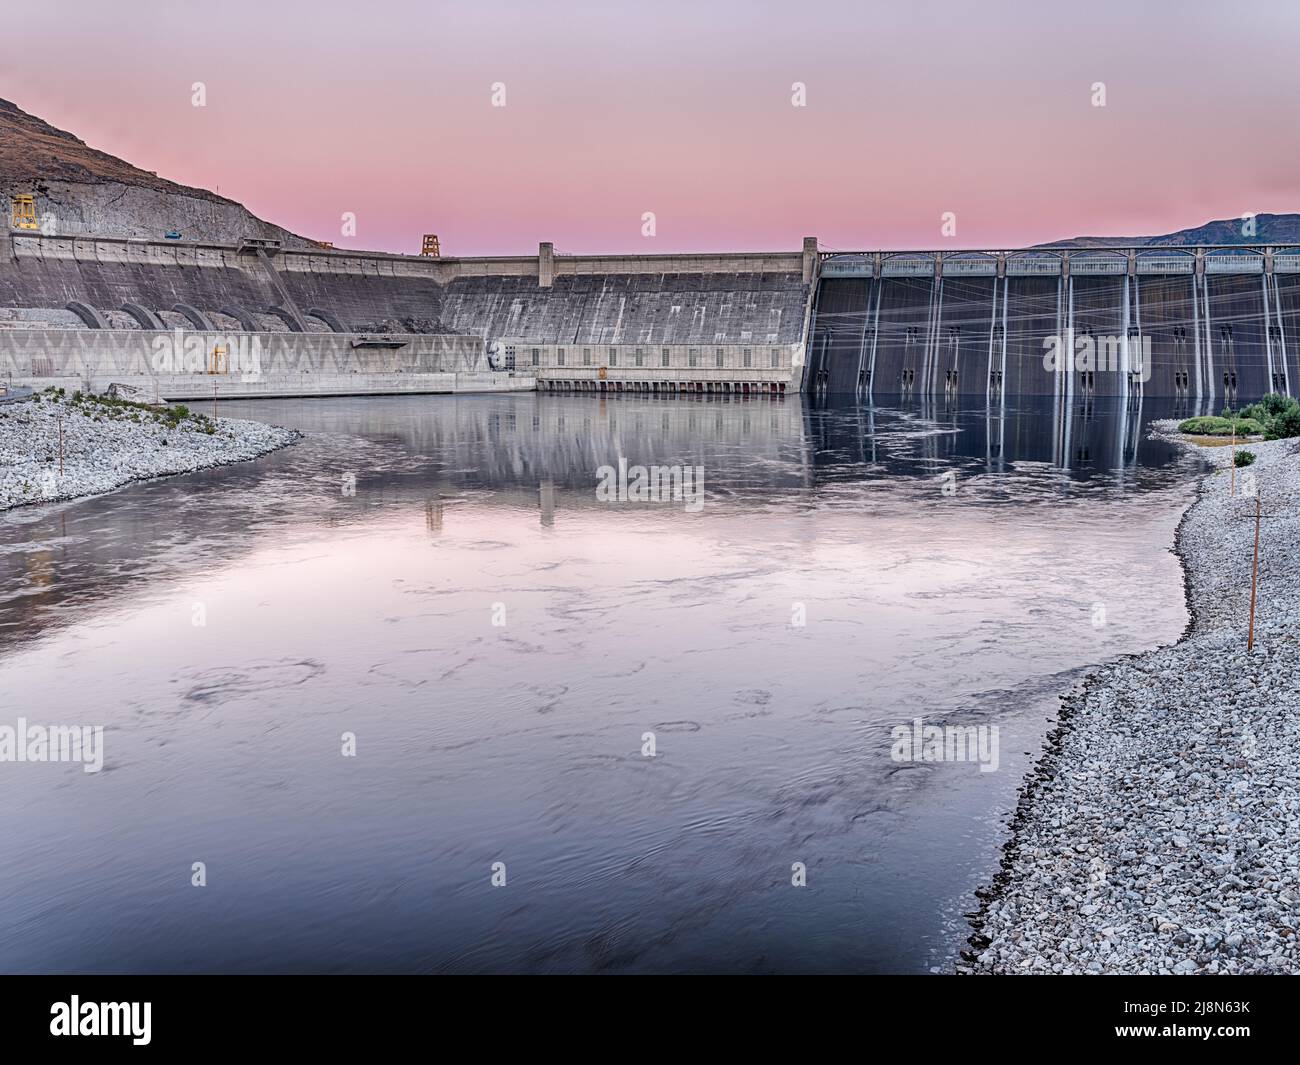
(1219, 324)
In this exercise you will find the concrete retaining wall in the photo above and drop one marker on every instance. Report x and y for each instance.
(181, 364)
(445, 309)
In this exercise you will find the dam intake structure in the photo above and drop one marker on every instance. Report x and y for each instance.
(1214, 324)
(1218, 325)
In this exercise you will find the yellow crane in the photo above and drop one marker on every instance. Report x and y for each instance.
(24, 212)
(430, 246)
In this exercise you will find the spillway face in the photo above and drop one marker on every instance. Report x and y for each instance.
(40, 283)
(1223, 337)
(901, 335)
(632, 303)
(761, 307)
(1169, 319)
(1237, 336)
(1286, 323)
(964, 337)
(1029, 314)
(1101, 312)
(902, 341)
(835, 360)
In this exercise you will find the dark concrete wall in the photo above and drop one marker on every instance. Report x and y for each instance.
(925, 327)
(756, 306)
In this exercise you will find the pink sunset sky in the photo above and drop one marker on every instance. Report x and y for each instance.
(684, 109)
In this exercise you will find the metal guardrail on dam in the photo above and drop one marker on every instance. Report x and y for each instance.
(1054, 261)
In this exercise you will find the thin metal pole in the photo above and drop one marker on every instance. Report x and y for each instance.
(1254, 578)
(1232, 476)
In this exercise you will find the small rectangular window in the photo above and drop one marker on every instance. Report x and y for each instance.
(613, 356)
(559, 356)
(776, 358)
(663, 359)
(717, 358)
(640, 357)
(694, 357)
(586, 356)
(749, 358)
(537, 356)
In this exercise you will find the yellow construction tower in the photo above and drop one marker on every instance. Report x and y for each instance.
(24, 212)
(430, 246)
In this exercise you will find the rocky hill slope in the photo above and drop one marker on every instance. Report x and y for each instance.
(79, 189)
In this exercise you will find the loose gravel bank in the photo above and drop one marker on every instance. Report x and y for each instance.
(108, 444)
(1161, 830)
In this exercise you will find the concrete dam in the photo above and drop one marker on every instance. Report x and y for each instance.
(1214, 324)
(86, 312)
(184, 320)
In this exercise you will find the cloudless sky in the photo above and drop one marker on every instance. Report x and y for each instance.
(683, 108)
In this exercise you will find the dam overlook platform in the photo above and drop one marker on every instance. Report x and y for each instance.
(1219, 324)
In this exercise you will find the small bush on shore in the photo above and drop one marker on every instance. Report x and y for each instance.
(1243, 458)
(100, 407)
(1279, 415)
(1210, 425)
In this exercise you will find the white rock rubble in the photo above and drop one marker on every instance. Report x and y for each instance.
(106, 446)
(1160, 832)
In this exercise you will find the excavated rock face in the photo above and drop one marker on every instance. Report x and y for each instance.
(79, 189)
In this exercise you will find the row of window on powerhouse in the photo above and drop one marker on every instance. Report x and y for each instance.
(693, 358)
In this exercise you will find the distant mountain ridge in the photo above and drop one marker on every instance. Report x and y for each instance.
(1276, 229)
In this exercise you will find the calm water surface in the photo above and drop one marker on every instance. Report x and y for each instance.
(372, 613)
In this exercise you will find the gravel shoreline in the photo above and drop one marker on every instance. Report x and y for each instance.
(107, 445)
(1160, 831)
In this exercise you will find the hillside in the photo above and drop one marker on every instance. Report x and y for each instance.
(1269, 229)
(79, 189)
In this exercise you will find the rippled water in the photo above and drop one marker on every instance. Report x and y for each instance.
(372, 613)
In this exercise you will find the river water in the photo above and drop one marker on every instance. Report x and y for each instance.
(435, 577)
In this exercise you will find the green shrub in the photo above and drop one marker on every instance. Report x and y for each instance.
(1286, 424)
(1243, 458)
(1278, 415)
(1209, 425)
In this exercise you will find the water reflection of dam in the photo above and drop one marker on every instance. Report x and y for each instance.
(413, 456)
(759, 445)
